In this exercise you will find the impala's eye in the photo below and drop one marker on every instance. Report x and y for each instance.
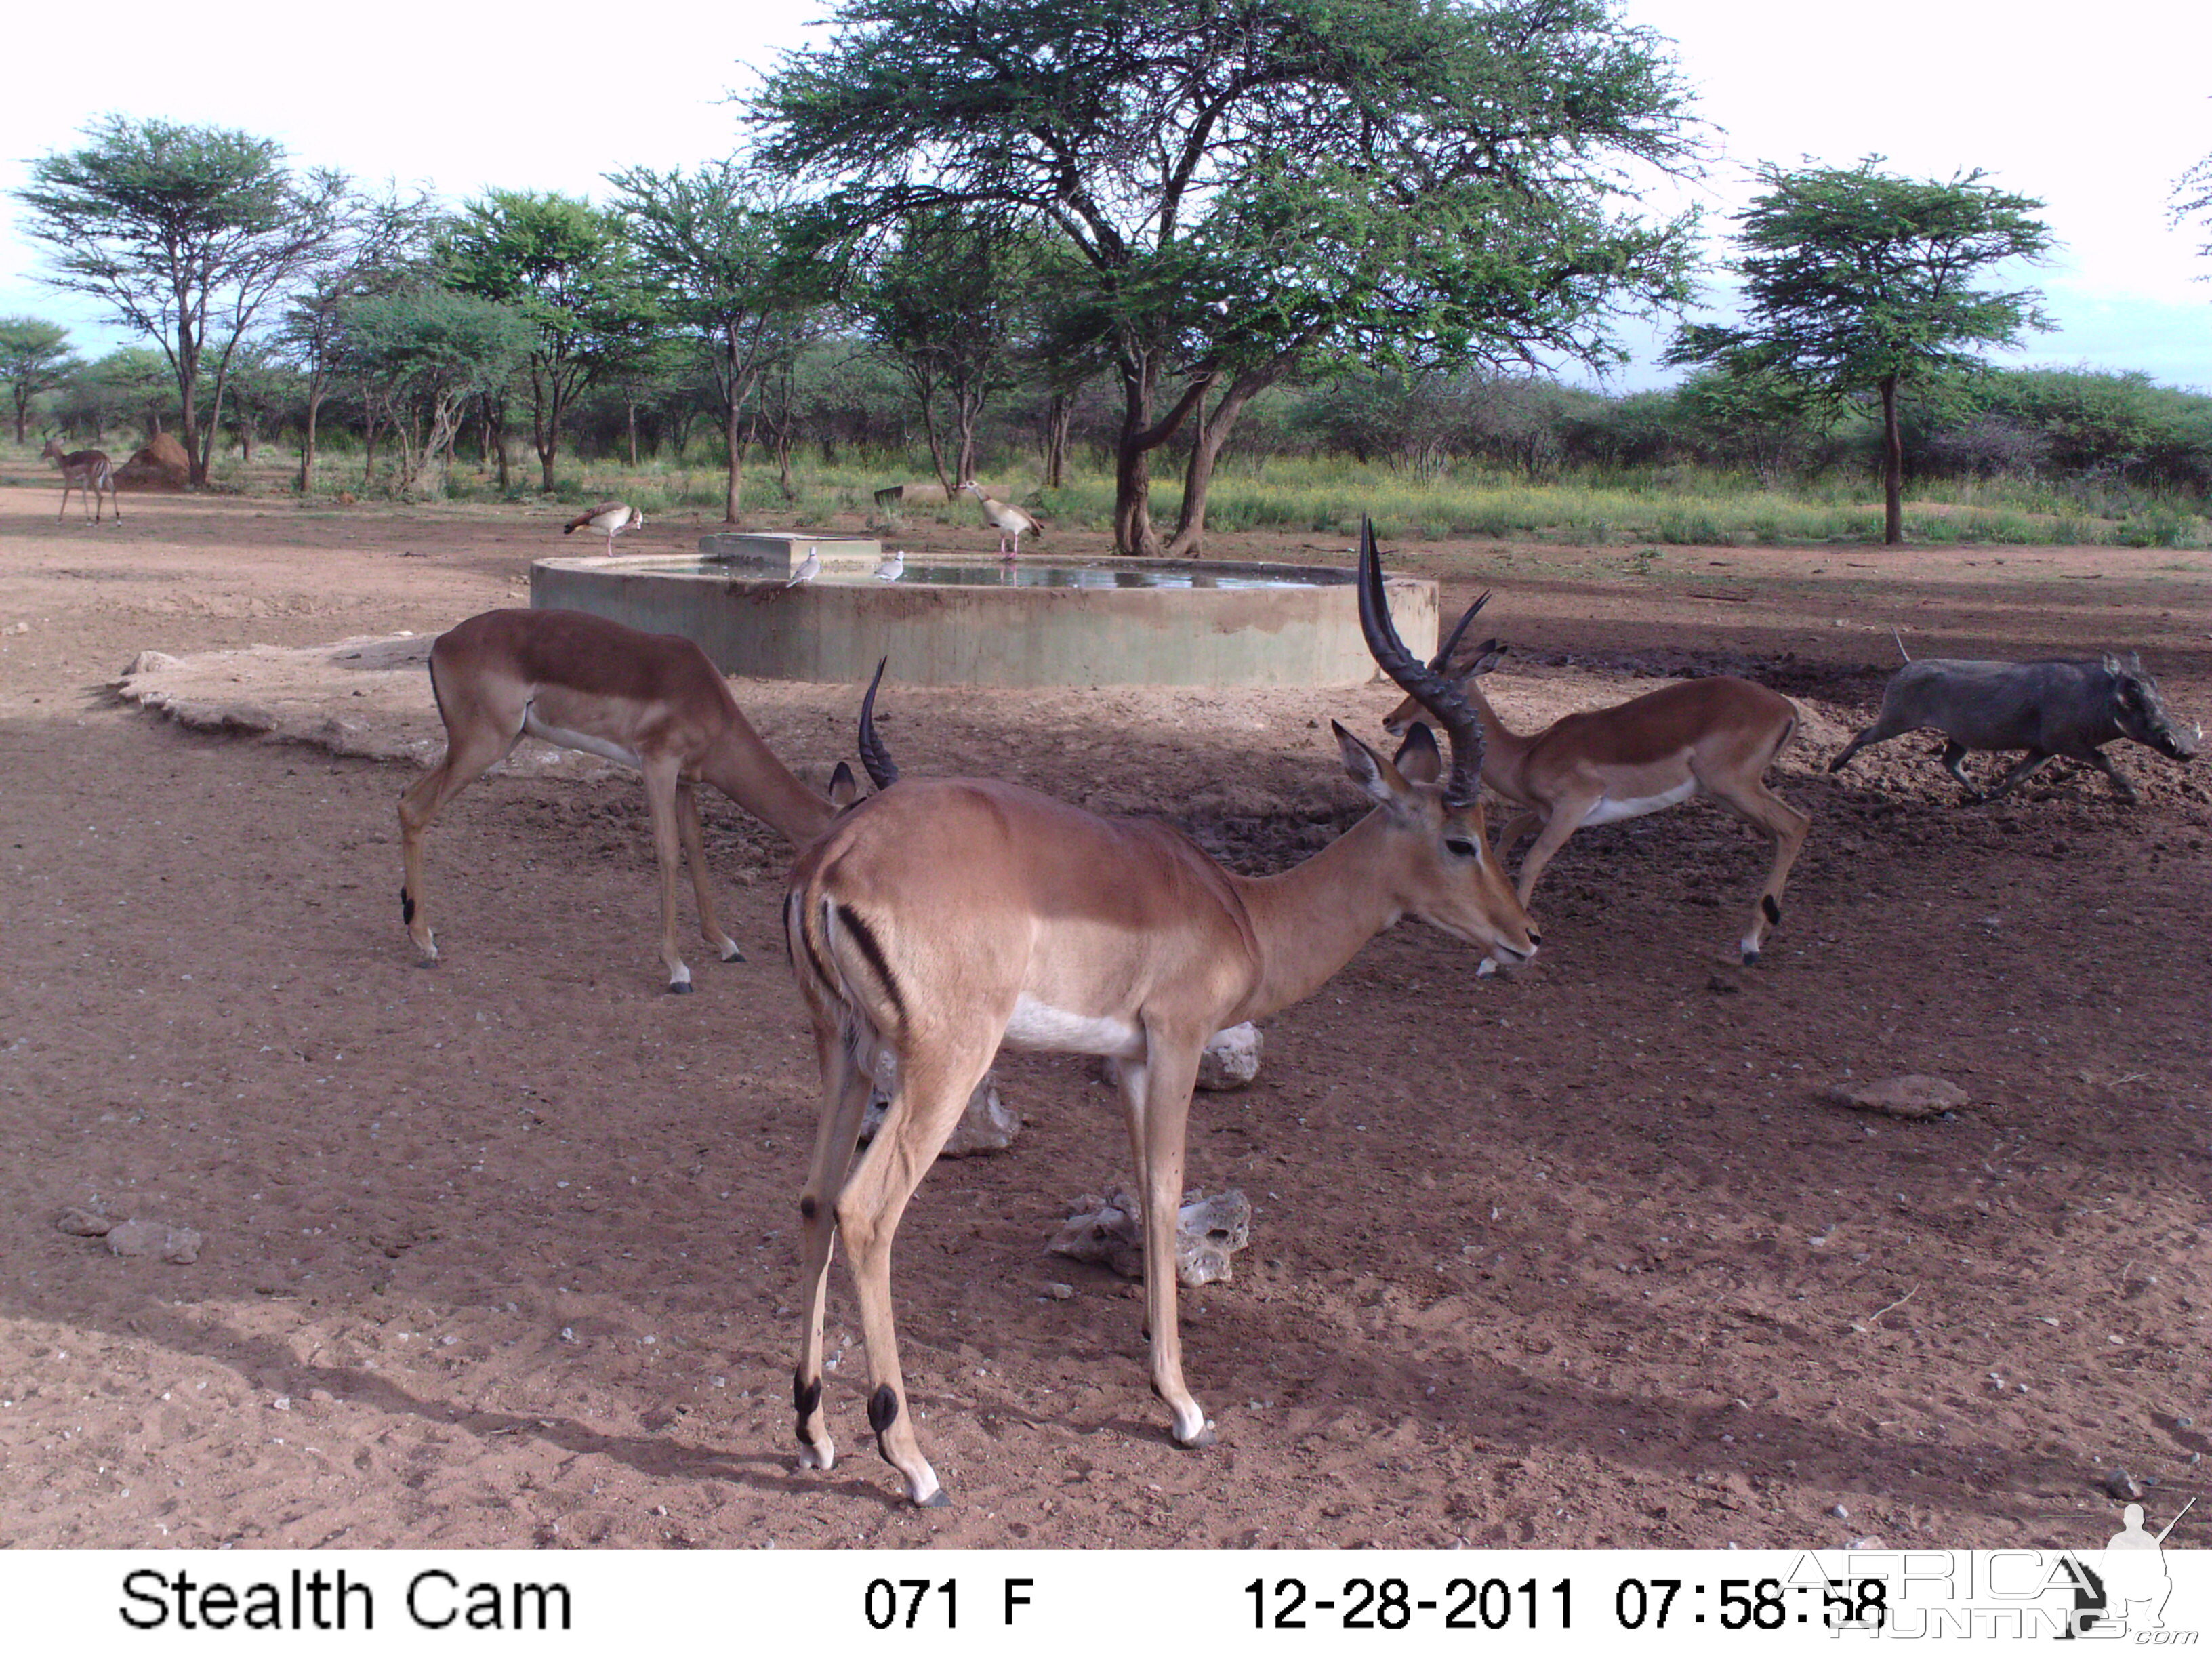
(1465, 849)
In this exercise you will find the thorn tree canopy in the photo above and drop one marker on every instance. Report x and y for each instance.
(945, 301)
(724, 262)
(2192, 199)
(1857, 281)
(421, 355)
(34, 358)
(181, 230)
(1255, 186)
(382, 244)
(561, 262)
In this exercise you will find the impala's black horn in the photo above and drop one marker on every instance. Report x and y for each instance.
(1442, 660)
(873, 756)
(1427, 685)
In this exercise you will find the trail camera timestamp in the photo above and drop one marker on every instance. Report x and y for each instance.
(1469, 1602)
(1464, 1603)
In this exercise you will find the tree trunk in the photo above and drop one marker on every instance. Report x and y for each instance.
(188, 387)
(1893, 466)
(1206, 446)
(1133, 536)
(368, 448)
(1058, 418)
(630, 405)
(967, 415)
(202, 458)
(546, 424)
(307, 438)
(734, 435)
(22, 414)
(925, 394)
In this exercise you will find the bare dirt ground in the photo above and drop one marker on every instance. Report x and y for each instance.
(504, 1254)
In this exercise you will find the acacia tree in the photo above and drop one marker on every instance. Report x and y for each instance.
(34, 358)
(183, 232)
(559, 261)
(421, 356)
(945, 301)
(131, 384)
(380, 244)
(1856, 282)
(728, 265)
(1253, 185)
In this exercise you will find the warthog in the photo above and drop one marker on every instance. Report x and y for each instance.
(2049, 708)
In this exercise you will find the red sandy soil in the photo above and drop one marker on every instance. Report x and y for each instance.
(503, 1252)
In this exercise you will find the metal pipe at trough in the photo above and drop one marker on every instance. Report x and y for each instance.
(950, 621)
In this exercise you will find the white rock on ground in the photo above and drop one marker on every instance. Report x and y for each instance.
(1108, 1229)
(1231, 1060)
(988, 1125)
(1909, 1095)
(180, 1245)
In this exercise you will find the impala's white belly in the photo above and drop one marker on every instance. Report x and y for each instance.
(1054, 1030)
(561, 736)
(1612, 812)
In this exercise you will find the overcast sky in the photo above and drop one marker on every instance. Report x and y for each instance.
(2096, 116)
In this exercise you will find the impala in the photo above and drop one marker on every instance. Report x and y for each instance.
(650, 701)
(88, 471)
(1714, 737)
(941, 919)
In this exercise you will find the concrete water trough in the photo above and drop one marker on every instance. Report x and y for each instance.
(952, 621)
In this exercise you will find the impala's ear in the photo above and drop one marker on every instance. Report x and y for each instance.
(1380, 779)
(1488, 656)
(844, 788)
(1417, 758)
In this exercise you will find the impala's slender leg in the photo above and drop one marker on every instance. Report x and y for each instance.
(661, 775)
(695, 849)
(1510, 833)
(1781, 823)
(1567, 814)
(845, 1089)
(934, 1083)
(476, 741)
(1163, 1082)
(1133, 1080)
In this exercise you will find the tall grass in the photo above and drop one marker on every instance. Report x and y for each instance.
(1326, 496)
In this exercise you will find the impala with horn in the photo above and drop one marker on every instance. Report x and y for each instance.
(1714, 737)
(650, 701)
(941, 919)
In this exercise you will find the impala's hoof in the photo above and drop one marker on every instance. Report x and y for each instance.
(940, 1499)
(1198, 1442)
(733, 954)
(680, 987)
(1751, 958)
